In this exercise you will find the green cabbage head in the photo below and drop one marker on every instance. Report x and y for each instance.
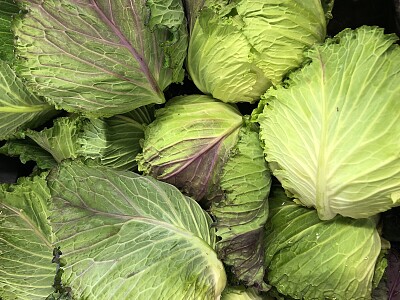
(238, 50)
(311, 259)
(332, 132)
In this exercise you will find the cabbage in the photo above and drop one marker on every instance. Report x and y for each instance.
(331, 132)
(238, 50)
(312, 259)
(189, 142)
(113, 142)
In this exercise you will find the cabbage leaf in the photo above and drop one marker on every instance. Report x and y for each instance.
(238, 49)
(125, 236)
(189, 142)
(8, 10)
(28, 150)
(101, 57)
(113, 142)
(312, 259)
(26, 238)
(242, 213)
(332, 131)
(19, 108)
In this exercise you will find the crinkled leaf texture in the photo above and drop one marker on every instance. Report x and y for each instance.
(101, 57)
(61, 140)
(26, 271)
(312, 259)
(125, 236)
(242, 213)
(189, 142)
(19, 108)
(8, 10)
(112, 142)
(115, 141)
(28, 150)
(332, 132)
(238, 50)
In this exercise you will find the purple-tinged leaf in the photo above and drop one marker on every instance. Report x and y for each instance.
(393, 274)
(243, 212)
(189, 142)
(101, 57)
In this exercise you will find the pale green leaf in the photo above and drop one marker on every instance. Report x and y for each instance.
(130, 237)
(312, 259)
(218, 60)
(19, 108)
(61, 140)
(332, 132)
(114, 141)
(143, 115)
(27, 150)
(279, 31)
(238, 49)
(26, 270)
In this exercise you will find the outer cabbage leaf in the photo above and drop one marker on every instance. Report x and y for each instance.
(239, 49)
(28, 150)
(115, 141)
(8, 9)
(218, 70)
(101, 57)
(332, 132)
(19, 108)
(241, 215)
(189, 142)
(143, 115)
(278, 32)
(26, 271)
(312, 259)
(125, 236)
(61, 140)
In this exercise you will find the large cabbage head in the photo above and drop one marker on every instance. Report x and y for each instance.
(238, 50)
(332, 132)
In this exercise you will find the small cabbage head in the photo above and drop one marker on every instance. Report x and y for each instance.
(309, 259)
(238, 50)
(189, 142)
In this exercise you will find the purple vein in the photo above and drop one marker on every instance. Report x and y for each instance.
(192, 158)
(128, 46)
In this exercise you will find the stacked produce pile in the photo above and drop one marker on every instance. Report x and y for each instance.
(140, 191)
